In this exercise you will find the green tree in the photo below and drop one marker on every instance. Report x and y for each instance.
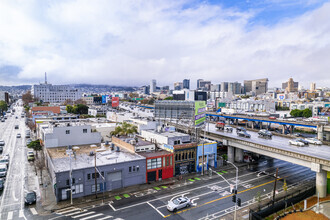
(296, 113)
(307, 113)
(81, 109)
(69, 108)
(169, 98)
(27, 98)
(3, 106)
(35, 145)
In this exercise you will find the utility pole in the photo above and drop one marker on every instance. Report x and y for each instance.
(275, 185)
(95, 175)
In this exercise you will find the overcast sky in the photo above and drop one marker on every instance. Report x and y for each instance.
(131, 42)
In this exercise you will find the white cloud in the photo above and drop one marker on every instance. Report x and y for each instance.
(130, 42)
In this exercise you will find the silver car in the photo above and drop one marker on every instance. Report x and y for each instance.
(178, 203)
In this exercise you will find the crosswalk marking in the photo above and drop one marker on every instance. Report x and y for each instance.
(87, 213)
(21, 213)
(93, 216)
(64, 209)
(106, 217)
(75, 213)
(10, 215)
(67, 211)
(34, 211)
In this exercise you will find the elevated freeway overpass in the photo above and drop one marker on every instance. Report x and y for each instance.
(317, 158)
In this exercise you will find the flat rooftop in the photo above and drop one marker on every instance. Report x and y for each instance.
(81, 158)
(155, 153)
(168, 134)
(141, 142)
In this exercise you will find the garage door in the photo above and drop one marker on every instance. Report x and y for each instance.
(115, 180)
(152, 176)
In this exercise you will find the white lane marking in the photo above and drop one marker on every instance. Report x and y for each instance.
(106, 217)
(192, 202)
(10, 216)
(156, 210)
(87, 213)
(67, 211)
(34, 211)
(93, 216)
(64, 209)
(14, 196)
(113, 208)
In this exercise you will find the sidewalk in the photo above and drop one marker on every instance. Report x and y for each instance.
(48, 203)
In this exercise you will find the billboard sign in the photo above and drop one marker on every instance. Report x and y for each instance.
(200, 108)
(115, 101)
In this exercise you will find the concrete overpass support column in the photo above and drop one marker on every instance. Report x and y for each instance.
(321, 183)
(238, 155)
(252, 125)
(327, 136)
(231, 154)
(320, 132)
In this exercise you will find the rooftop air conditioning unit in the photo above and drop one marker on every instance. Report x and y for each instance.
(132, 142)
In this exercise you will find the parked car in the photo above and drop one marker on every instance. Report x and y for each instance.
(296, 142)
(2, 143)
(18, 135)
(30, 156)
(1, 149)
(4, 160)
(178, 203)
(243, 134)
(265, 133)
(228, 128)
(30, 197)
(3, 170)
(313, 141)
(302, 141)
(28, 141)
(16, 127)
(220, 125)
(238, 129)
(2, 183)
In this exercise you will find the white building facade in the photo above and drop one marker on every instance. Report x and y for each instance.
(55, 93)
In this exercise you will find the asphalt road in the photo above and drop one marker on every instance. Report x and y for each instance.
(211, 196)
(12, 197)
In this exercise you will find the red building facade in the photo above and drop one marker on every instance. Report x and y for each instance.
(159, 165)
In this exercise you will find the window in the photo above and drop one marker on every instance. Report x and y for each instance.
(67, 131)
(73, 181)
(77, 189)
(133, 168)
(89, 176)
(102, 173)
(154, 163)
(67, 182)
(171, 161)
(137, 168)
(84, 130)
(164, 163)
(98, 188)
(129, 169)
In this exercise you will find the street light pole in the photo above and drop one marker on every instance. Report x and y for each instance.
(235, 187)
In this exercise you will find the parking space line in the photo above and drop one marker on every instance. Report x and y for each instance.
(113, 208)
(87, 213)
(156, 210)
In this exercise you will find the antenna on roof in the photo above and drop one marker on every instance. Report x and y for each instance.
(45, 78)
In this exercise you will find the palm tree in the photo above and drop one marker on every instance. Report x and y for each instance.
(124, 129)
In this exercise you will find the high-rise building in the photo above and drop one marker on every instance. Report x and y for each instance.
(186, 83)
(153, 86)
(204, 85)
(224, 87)
(313, 86)
(178, 85)
(290, 86)
(256, 87)
(215, 88)
(4, 96)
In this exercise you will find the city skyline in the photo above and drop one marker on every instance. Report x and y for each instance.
(129, 44)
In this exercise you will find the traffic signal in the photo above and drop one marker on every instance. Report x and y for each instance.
(234, 191)
(234, 198)
(239, 202)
